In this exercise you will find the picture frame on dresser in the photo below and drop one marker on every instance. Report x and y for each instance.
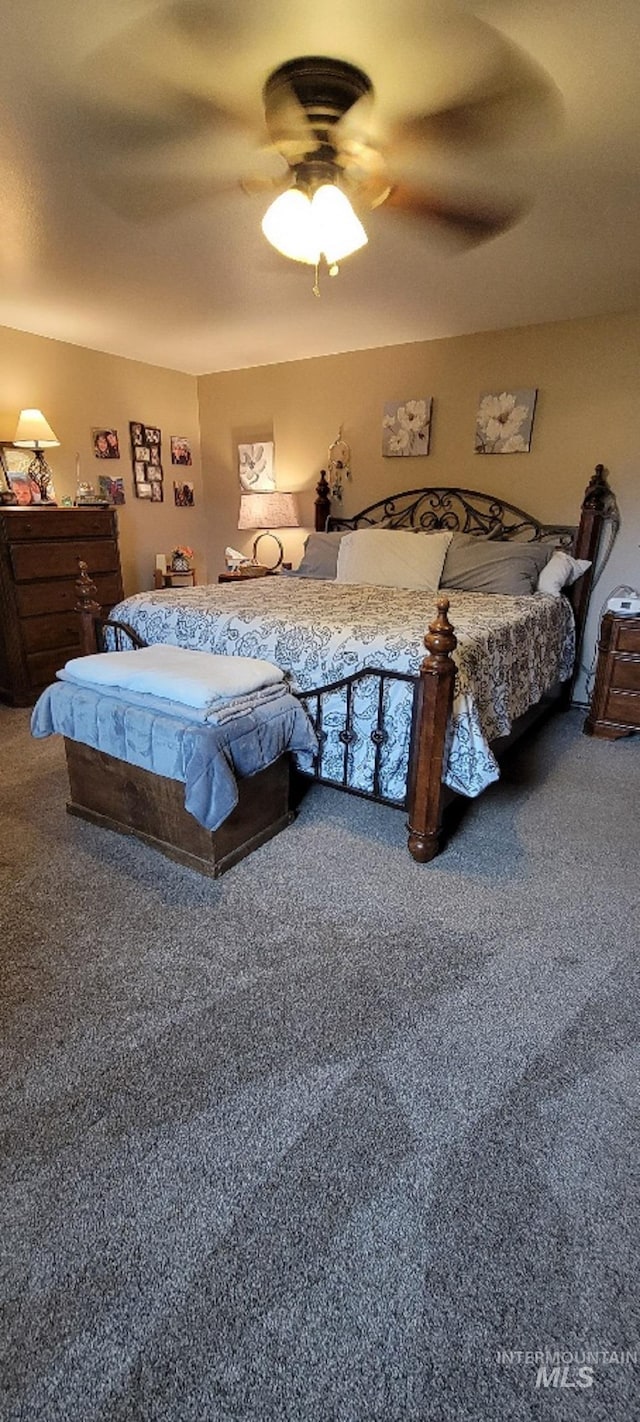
(16, 480)
(7, 495)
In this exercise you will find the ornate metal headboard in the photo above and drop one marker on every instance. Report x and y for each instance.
(466, 511)
(460, 511)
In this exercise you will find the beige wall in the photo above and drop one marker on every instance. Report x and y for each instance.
(586, 373)
(79, 389)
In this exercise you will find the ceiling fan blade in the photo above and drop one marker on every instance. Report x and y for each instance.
(467, 219)
(512, 97)
(141, 200)
(255, 186)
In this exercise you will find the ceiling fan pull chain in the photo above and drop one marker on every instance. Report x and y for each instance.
(316, 284)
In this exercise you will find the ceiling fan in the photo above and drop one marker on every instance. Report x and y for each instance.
(340, 153)
(319, 114)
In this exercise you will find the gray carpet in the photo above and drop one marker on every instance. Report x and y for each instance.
(334, 1138)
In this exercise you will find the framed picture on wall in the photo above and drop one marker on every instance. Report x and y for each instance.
(180, 450)
(183, 494)
(105, 444)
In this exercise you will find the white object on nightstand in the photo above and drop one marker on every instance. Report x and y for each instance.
(628, 606)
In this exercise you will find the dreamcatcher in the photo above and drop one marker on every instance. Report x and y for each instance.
(338, 465)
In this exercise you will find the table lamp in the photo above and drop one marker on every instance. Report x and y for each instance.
(34, 433)
(268, 511)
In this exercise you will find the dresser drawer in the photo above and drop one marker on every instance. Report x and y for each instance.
(623, 707)
(42, 666)
(56, 629)
(62, 596)
(46, 523)
(625, 674)
(60, 560)
(628, 639)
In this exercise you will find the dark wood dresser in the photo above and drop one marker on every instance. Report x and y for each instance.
(39, 552)
(615, 704)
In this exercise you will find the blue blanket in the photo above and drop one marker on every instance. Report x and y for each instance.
(206, 759)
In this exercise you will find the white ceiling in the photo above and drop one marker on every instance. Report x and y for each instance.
(196, 287)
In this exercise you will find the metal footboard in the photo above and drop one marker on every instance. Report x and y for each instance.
(114, 636)
(314, 703)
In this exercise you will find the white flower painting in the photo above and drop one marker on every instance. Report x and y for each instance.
(255, 468)
(406, 426)
(504, 422)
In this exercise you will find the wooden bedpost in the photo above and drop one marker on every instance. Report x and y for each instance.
(598, 504)
(323, 502)
(433, 709)
(89, 611)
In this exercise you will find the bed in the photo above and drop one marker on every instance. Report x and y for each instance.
(393, 724)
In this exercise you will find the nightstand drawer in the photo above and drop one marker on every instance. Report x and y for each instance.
(628, 639)
(625, 674)
(623, 707)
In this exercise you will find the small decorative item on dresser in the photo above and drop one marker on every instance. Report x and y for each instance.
(615, 704)
(181, 559)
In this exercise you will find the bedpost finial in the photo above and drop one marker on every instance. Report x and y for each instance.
(86, 589)
(440, 640)
(597, 493)
(323, 501)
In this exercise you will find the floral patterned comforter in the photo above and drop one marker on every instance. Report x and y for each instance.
(511, 650)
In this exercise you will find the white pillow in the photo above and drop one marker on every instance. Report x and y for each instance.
(561, 570)
(393, 558)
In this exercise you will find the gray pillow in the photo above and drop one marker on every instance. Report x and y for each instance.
(478, 564)
(320, 557)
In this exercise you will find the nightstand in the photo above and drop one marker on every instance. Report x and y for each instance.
(174, 580)
(615, 704)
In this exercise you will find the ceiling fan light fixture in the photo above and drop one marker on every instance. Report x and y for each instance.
(305, 227)
(338, 229)
(289, 226)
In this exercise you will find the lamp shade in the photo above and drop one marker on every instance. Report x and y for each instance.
(33, 432)
(269, 510)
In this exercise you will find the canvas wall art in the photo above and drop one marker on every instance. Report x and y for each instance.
(504, 422)
(255, 467)
(406, 427)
